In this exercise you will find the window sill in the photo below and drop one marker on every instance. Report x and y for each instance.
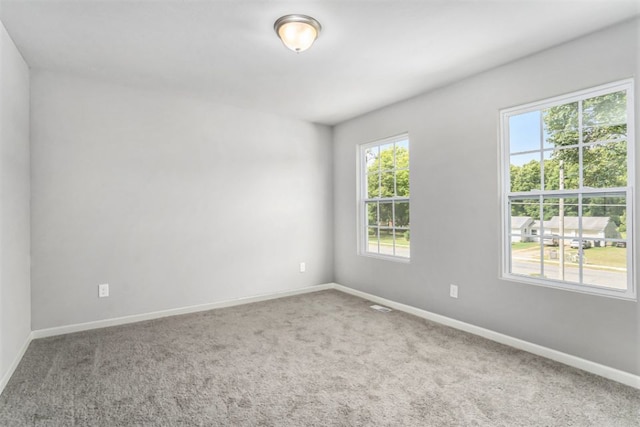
(402, 260)
(583, 289)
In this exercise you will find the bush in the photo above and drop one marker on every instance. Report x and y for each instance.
(406, 235)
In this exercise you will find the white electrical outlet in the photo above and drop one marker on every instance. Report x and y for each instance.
(303, 267)
(453, 291)
(103, 290)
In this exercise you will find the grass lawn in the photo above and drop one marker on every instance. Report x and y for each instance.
(607, 257)
(525, 245)
(387, 239)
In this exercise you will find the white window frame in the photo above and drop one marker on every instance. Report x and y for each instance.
(362, 199)
(505, 194)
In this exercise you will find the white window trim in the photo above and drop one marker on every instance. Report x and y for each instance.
(361, 191)
(504, 155)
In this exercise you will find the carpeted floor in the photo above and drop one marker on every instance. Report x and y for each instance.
(319, 359)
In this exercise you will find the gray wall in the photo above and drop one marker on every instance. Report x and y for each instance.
(15, 296)
(173, 201)
(455, 208)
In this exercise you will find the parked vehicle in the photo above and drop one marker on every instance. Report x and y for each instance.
(550, 241)
(575, 244)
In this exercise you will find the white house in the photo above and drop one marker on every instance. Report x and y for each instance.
(594, 227)
(521, 228)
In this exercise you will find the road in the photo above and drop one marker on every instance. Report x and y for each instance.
(612, 279)
(385, 249)
(607, 278)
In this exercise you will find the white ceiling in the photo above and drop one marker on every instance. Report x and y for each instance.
(369, 54)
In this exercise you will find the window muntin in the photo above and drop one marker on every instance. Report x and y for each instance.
(567, 195)
(384, 198)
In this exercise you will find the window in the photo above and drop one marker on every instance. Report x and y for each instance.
(384, 198)
(567, 191)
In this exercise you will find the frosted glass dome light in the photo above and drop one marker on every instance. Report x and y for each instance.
(297, 32)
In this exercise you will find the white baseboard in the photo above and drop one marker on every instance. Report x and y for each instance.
(15, 363)
(576, 362)
(78, 327)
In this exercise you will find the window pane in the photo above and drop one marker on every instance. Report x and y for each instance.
(560, 125)
(386, 241)
(402, 214)
(567, 265)
(606, 266)
(605, 117)
(402, 183)
(560, 217)
(386, 156)
(387, 184)
(604, 133)
(372, 240)
(372, 214)
(523, 209)
(371, 158)
(403, 237)
(386, 215)
(525, 172)
(402, 243)
(524, 132)
(402, 155)
(604, 217)
(562, 169)
(404, 252)
(605, 165)
(373, 186)
(525, 258)
(609, 109)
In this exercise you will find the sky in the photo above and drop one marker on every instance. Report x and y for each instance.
(524, 135)
(524, 132)
(372, 153)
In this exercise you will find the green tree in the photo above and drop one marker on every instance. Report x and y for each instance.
(388, 176)
(604, 159)
(561, 125)
(525, 177)
(623, 222)
(603, 121)
(381, 173)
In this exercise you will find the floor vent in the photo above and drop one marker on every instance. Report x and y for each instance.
(381, 308)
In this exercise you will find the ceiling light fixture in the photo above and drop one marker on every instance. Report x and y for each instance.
(297, 32)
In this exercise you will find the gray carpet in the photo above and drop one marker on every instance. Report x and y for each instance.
(320, 359)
